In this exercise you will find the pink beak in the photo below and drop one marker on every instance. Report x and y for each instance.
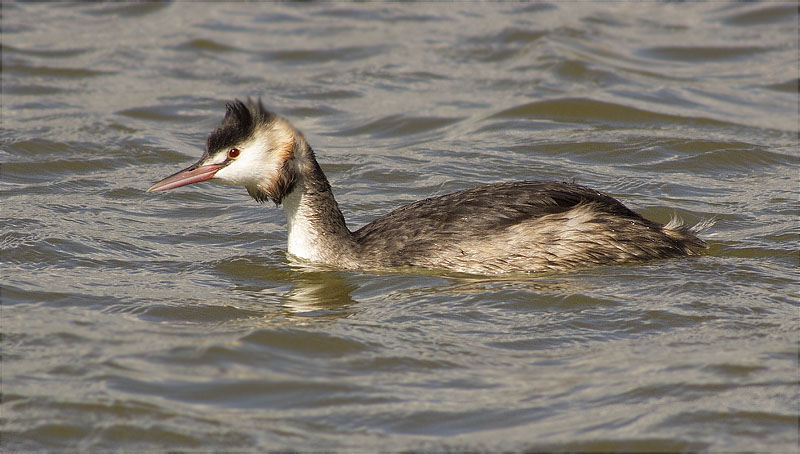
(186, 176)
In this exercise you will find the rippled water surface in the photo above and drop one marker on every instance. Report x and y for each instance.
(175, 321)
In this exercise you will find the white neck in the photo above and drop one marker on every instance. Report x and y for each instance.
(302, 242)
(317, 229)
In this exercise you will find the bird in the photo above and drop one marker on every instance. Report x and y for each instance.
(497, 228)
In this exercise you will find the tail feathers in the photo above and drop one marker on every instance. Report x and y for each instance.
(686, 235)
(703, 225)
(676, 223)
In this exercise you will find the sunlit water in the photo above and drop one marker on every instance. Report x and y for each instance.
(137, 321)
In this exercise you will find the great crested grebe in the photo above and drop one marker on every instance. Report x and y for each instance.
(496, 228)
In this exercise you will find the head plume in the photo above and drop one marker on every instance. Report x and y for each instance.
(240, 123)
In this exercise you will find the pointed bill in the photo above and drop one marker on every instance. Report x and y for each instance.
(186, 176)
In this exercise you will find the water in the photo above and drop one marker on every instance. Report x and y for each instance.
(137, 321)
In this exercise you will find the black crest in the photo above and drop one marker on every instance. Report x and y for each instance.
(241, 120)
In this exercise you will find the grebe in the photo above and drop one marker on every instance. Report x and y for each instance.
(496, 228)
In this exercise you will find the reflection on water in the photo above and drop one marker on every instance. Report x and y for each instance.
(319, 294)
(133, 321)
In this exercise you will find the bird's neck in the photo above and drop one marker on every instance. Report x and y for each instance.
(317, 229)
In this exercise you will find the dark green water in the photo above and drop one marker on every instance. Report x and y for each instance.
(175, 322)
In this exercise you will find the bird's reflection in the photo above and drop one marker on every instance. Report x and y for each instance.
(319, 292)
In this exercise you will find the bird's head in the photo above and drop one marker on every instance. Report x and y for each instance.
(253, 148)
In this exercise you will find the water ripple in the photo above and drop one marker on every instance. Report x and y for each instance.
(151, 322)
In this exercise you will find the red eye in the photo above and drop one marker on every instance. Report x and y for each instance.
(233, 153)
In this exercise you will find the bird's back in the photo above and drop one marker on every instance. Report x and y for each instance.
(519, 226)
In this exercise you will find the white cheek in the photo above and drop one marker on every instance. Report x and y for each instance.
(252, 167)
